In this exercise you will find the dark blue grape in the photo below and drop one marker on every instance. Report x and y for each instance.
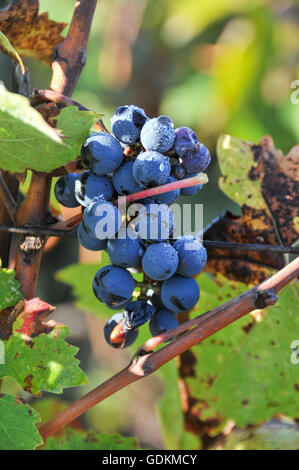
(137, 313)
(113, 286)
(151, 169)
(88, 242)
(130, 337)
(125, 251)
(101, 153)
(102, 219)
(123, 180)
(154, 222)
(192, 256)
(160, 261)
(127, 122)
(158, 134)
(177, 171)
(89, 185)
(162, 321)
(179, 293)
(64, 190)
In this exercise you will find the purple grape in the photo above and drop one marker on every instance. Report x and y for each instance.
(197, 161)
(186, 141)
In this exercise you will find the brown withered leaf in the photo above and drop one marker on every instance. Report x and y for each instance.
(31, 34)
(265, 183)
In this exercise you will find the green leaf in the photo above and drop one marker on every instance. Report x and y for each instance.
(8, 49)
(244, 372)
(80, 277)
(17, 424)
(236, 159)
(45, 362)
(29, 142)
(10, 292)
(273, 436)
(90, 440)
(170, 411)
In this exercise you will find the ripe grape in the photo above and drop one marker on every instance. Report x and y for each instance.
(192, 256)
(151, 169)
(124, 250)
(161, 322)
(88, 242)
(177, 171)
(160, 261)
(130, 336)
(64, 190)
(102, 219)
(127, 122)
(158, 134)
(197, 161)
(154, 222)
(101, 153)
(113, 286)
(123, 180)
(186, 141)
(88, 185)
(179, 293)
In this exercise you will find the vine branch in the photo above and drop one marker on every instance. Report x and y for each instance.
(49, 232)
(70, 55)
(68, 63)
(7, 199)
(206, 325)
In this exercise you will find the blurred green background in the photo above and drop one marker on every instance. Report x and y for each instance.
(222, 66)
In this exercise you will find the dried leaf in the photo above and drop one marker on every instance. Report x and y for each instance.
(31, 34)
(266, 185)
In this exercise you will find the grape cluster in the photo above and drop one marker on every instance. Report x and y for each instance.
(140, 153)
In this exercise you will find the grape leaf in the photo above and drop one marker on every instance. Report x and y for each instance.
(44, 362)
(17, 424)
(80, 277)
(10, 292)
(271, 436)
(7, 49)
(169, 410)
(30, 33)
(244, 372)
(90, 440)
(265, 184)
(29, 142)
